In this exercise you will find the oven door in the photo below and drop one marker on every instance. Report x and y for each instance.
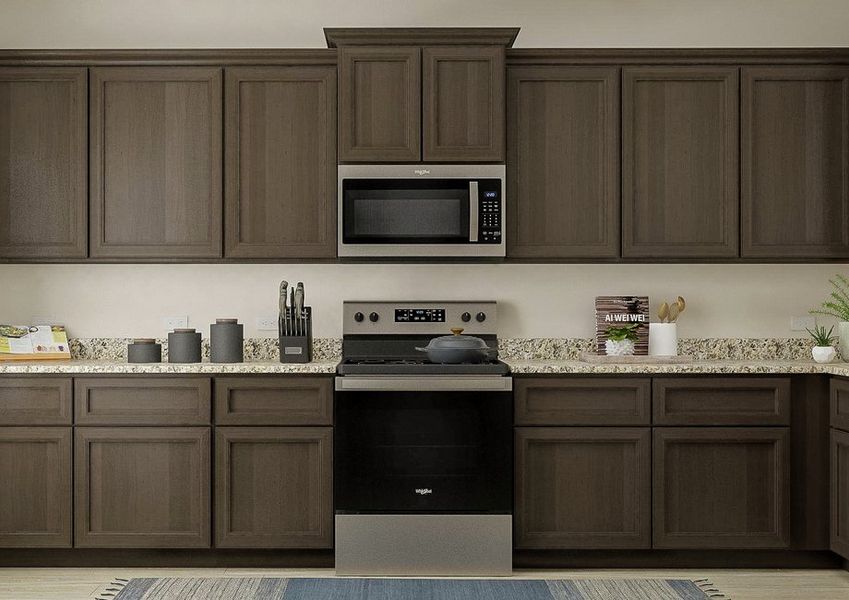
(427, 445)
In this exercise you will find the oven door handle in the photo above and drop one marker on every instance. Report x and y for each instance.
(474, 211)
(429, 383)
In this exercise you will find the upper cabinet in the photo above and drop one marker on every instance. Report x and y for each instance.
(43, 183)
(795, 165)
(280, 162)
(563, 162)
(680, 162)
(155, 164)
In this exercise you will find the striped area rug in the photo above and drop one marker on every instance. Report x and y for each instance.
(270, 588)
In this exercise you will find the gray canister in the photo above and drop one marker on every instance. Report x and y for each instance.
(184, 346)
(226, 337)
(144, 350)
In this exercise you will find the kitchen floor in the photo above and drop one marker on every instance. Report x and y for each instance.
(766, 584)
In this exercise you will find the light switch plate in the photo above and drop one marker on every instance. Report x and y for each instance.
(803, 323)
(172, 323)
(266, 323)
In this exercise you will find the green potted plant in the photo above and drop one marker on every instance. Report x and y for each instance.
(620, 339)
(837, 306)
(823, 350)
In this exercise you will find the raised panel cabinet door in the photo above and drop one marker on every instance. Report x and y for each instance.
(155, 162)
(463, 103)
(35, 400)
(680, 158)
(142, 487)
(273, 487)
(721, 487)
(43, 180)
(563, 162)
(583, 487)
(795, 162)
(840, 492)
(380, 101)
(35, 497)
(280, 162)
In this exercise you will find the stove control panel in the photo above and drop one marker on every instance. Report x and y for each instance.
(431, 318)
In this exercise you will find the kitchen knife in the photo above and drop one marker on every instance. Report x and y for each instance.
(299, 308)
(292, 311)
(284, 285)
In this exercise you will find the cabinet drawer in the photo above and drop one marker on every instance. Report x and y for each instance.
(721, 401)
(273, 401)
(582, 401)
(142, 401)
(35, 401)
(840, 403)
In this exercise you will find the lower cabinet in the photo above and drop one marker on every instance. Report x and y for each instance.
(35, 472)
(721, 487)
(583, 487)
(840, 492)
(142, 487)
(273, 487)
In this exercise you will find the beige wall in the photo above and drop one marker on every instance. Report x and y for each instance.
(537, 300)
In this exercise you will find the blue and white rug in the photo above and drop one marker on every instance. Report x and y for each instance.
(270, 588)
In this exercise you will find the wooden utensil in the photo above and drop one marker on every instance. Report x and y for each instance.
(681, 305)
(673, 312)
(663, 312)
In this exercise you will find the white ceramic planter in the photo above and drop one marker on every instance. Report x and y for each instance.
(843, 339)
(663, 339)
(823, 354)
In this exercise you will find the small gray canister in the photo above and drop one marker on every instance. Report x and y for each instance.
(144, 350)
(184, 346)
(226, 337)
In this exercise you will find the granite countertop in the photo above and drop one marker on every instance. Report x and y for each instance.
(518, 367)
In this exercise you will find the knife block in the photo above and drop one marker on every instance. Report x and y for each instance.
(297, 348)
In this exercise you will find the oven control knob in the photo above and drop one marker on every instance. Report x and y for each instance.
(466, 317)
(481, 317)
(373, 317)
(358, 317)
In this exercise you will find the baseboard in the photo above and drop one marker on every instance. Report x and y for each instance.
(675, 559)
(99, 557)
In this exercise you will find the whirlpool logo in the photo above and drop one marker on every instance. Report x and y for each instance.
(422, 171)
(424, 491)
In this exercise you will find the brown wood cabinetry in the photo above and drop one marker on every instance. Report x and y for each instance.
(43, 181)
(35, 503)
(273, 401)
(580, 487)
(718, 487)
(379, 104)
(142, 487)
(563, 162)
(680, 162)
(795, 170)
(155, 162)
(35, 401)
(273, 487)
(280, 161)
(840, 492)
(582, 401)
(463, 103)
(839, 404)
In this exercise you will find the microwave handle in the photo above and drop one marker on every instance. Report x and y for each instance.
(474, 211)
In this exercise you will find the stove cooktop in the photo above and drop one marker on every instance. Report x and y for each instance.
(417, 366)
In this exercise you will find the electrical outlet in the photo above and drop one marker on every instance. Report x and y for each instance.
(172, 323)
(802, 323)
(266, 323)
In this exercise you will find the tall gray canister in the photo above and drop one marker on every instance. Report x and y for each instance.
(226, 337)
(184, 346)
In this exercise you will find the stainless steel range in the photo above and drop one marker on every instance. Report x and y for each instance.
(423, 452)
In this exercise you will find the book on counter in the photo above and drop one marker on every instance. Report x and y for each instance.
(622, 325)
(34, 342)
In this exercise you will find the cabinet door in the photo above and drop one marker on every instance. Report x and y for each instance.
(273, 401)
(679, 162)
(35, 500)
(795, 162)
(155, 162)
(719, 487)
(582, 401)
(379, 104)
(35, 400)
(280, 158)
(583, 487)
(43, 182)
(273, 487)
(463, 103)
(840, 492)
(563, 162)
(142, 487)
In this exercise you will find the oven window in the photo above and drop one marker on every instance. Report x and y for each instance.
(401, 211)
(426, 452)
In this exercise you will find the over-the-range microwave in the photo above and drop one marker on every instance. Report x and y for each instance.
(421, 210)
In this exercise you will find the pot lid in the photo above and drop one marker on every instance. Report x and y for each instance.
(457, 342)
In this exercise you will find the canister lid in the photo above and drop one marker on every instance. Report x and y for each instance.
(184, 330)
(226, 321)
(144, 341)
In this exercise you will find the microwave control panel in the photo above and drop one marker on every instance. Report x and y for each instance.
(489, 220)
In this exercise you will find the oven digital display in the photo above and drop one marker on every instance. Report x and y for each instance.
(419, 315)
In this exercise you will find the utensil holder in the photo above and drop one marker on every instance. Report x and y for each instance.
(663, 339)
(296, 348)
